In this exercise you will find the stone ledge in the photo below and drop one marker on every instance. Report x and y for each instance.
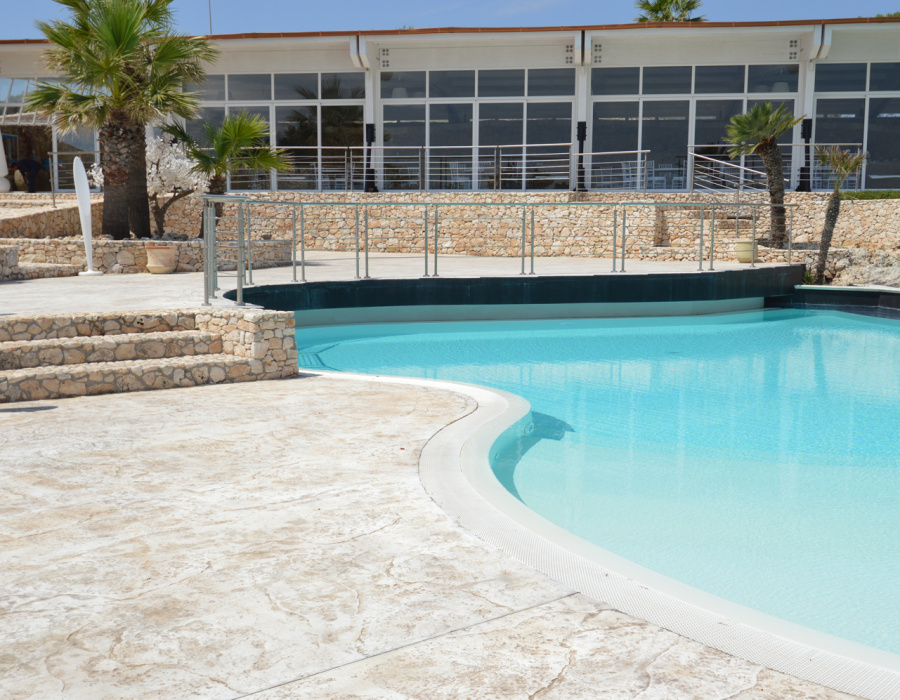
(115, 377)
(107, 348)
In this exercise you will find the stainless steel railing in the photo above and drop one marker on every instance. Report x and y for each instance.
(239, 229)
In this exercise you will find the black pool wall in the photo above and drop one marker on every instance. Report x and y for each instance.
(771, 283)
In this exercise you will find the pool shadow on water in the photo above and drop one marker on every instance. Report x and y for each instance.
(544, 427)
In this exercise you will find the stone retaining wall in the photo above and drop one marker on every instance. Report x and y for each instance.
(131, 256)
(21, 218)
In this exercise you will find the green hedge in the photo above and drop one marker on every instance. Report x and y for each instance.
(872, 194)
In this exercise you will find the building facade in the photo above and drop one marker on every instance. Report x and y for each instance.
(638, 106)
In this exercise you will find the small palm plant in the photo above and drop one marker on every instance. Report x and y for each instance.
(668, 11)
(241, 141)
(757, 131)
(122, 67)
(843, 163)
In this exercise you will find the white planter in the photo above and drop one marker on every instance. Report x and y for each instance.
(742, 249)
(162, 259)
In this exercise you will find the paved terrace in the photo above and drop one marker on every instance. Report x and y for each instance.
(273, 540)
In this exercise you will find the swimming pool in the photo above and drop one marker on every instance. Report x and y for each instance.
(753, 456)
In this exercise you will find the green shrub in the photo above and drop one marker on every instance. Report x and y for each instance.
(872, 194)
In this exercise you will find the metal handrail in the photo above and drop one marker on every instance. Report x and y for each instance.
(433, 213)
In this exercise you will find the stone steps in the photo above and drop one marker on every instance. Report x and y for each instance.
(24, 354)
(65, 381)
(54, 357)
(32, 271)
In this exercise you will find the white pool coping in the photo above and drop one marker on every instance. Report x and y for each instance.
(455, 471)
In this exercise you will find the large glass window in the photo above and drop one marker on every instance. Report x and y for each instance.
(343, 86)
(665, 135)
(296, 86)
(615, 81)
(250, 87)
(404, 139)
(885, 77)
(342, 135)
(667, 80)
(297, 130)
(213, 116)
(883, 169)
(450, 165)
(451, 83)
(5, 84)
(401, 85)
(712, 117)
(615, 127)
(547, 167)
(840, 122)
(719, 79)
(211, 90)
(501, 83)
(781, 78)
(499, 125)
(840, 77)
(18, 91)
(551, 81)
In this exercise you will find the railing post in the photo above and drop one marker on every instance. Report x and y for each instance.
(302, 243)
(207, 277)
(615, 233)
(532, 239)
(356, 209)
(294, 242)
(624, 232)
(702, 214)
(240, 252)
(366, 236)
(249, 269)
(524, 214)
(753, 244)
(790, 235)
(426, 235)
(712, 238)
(497, 182)
(435, 274)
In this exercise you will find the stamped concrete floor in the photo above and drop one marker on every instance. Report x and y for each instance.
(273, 539)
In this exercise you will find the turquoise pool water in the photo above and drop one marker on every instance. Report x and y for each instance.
(755, 456)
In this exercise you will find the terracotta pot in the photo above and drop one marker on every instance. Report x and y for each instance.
(742, 249)
(162, 259)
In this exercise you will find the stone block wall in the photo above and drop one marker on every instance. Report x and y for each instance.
(266, 338)
(38, 218)
(131, 256)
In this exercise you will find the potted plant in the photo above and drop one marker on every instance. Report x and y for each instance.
(746, 251)
(161, 258)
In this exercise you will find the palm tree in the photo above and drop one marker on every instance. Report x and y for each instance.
(843, 163)
(240, 141)
(757, 131)
(668, 11)
(122, 68)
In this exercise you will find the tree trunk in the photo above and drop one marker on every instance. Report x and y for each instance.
(831, 217)
(771, 157)
(138, 204)
(116, 147)
(159, 210)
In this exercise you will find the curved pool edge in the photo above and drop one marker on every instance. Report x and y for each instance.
(454, 469)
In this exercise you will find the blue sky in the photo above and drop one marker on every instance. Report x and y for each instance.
(234, 16)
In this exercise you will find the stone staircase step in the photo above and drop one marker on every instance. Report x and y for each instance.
(33, 271)
(93, 324)
(107, 348)
(38, 383)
